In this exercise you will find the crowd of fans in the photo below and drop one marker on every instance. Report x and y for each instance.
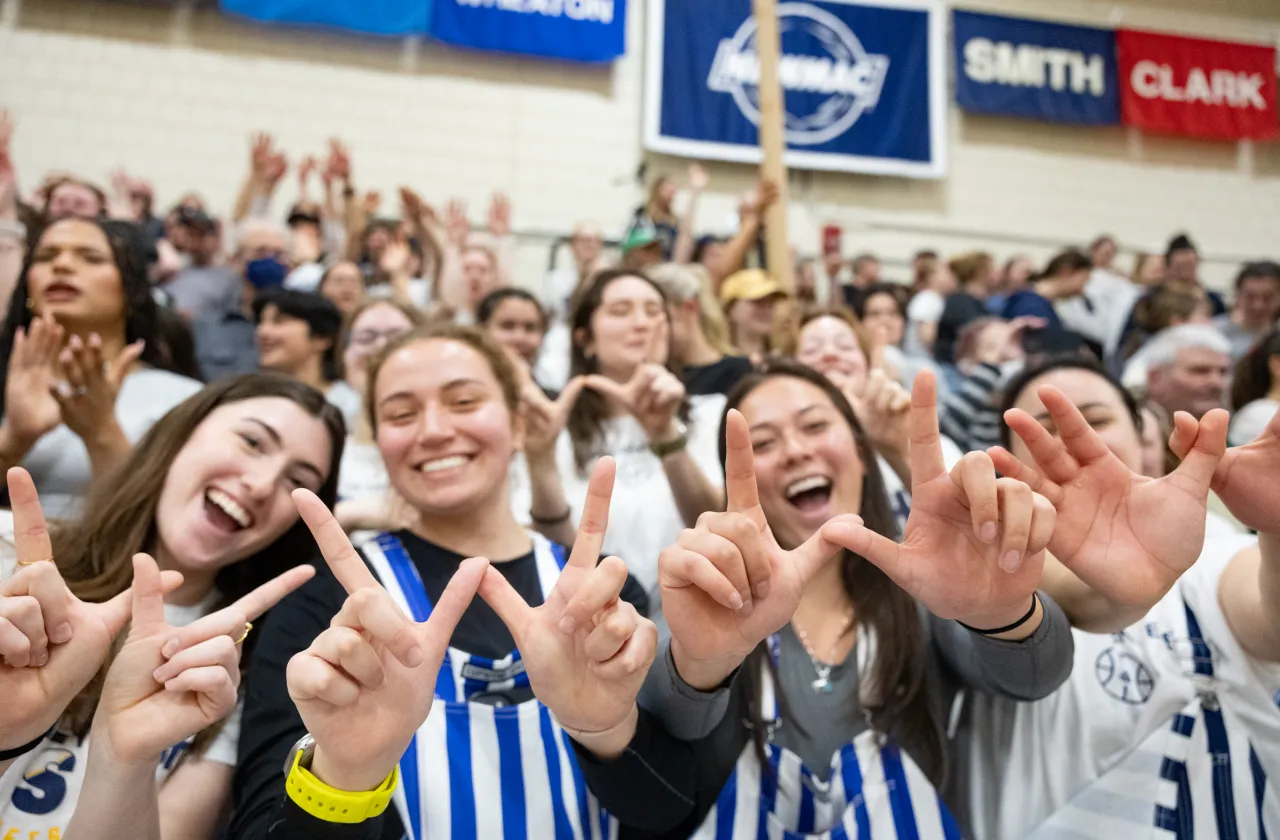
(183, 384)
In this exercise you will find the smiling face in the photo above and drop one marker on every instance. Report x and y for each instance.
(807, 464)
(1098, 401)
(74, 276)
(630, 319)
(829, 346)
(344, 285)
(284, 342)
(882, 316)
(377, 325)
(516, 323)
(444, 428)
(226, 495)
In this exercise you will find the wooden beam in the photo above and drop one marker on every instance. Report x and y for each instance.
(772, 142)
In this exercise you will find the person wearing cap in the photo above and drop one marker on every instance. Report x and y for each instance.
(641, 247)
(750, 300)
(204, 288)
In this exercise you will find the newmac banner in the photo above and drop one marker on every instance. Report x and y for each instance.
(573, 30)
(1035, 69)
(863, 84)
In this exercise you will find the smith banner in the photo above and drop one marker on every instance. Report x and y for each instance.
(1034, 69)
(1198, 88)
(863, 84)
(573, 30)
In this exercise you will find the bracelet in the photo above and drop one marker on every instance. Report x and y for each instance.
(6, 755)
(996, 631)
(15, 229)
(551, 520)
(669, 447)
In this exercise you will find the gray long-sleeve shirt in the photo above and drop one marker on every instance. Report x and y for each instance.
(687, 741)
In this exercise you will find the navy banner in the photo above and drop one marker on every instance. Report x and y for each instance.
(1034, 69)
(380, 17)
(863, 84)
(572, 30)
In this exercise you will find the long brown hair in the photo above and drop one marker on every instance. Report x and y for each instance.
(1252, 379)
(94, 553)
(900, 708)
(587, 419)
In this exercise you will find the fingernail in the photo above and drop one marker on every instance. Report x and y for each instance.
(760, 591)
(1011, 561)
(61, 634)
(158, 675)
(735, 601)
(567, 624)
(746, 608)
(414, 657)
(988, 532)
(39, 658)
(169, 649)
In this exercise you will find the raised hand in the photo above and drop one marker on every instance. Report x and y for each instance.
(456, 225)
(415, 210)
(1247, 479)
(149, 703)
(974, 546)
(882, 408)
(366, 684)
(88, 400)
(653, 395)
(267, 165)
(8, 174)
(306, 169)
(726, 584)
(52, 643)
(585, 650)
(500, 215)
(31, 409)
(372, 201)
(698, 179)
(1127, 536)
(338, 165)
(395, 257)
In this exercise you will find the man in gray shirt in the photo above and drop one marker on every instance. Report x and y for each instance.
(204, 289)
(1255, 309)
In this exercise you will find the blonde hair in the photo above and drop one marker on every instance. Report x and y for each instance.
(684, 282)
(786, 336)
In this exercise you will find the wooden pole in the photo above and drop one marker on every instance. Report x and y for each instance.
(772, 142)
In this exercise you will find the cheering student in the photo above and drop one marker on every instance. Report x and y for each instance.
(842, 651)
(514, 319)
(1171, 715)
(297, 334)
(445, 412)
(634, 408)
(206, 493)
(81, 316)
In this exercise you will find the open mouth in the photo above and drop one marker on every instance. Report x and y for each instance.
(440, 464)
(809, 494)
(225, 512)
(60, 292)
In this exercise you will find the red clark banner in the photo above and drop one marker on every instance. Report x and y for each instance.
(1199, 88)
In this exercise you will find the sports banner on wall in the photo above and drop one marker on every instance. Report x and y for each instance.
(863, 84)
(572, 30)
(378, 17)
(1035, 69)
(1198, 88)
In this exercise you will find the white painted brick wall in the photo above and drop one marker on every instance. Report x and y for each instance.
(98, 84)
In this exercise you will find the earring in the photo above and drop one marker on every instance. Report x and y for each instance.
(31, 306)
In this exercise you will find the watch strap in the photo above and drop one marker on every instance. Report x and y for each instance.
(669, 447)
(333, 805)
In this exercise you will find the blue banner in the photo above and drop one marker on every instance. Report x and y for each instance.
(863, 84)
(1034, 69)
(379, 17)
(573, 30)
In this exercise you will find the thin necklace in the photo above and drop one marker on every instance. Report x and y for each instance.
(822, 685)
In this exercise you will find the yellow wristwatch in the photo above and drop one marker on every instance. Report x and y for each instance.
(330, 804)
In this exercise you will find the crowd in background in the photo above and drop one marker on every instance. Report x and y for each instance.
(171, 375)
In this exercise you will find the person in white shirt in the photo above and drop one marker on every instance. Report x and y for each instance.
(636, 410)
(206, 493)
(1168, 725)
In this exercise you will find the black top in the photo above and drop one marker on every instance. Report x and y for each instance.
(960, 310)
(717, 377)
(272, 725)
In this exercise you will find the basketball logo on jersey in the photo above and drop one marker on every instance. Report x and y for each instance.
(44, 786)
(1124, 676)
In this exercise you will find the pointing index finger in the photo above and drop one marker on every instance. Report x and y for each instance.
(273, 591)
(927, 462)
(338, 552)
(595, 515)
(740, 488)
(30, 532)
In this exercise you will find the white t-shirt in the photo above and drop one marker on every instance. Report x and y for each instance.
(39, 791)
(1099, 314)
(643, 517)
(1170, 707)
(347, 400)
(59, 462)
(1250, 420)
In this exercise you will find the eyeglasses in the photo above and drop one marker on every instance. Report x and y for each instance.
(370, 338)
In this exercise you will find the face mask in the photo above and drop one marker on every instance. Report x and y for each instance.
(266, 273)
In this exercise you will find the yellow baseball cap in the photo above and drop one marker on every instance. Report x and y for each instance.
(749, 284)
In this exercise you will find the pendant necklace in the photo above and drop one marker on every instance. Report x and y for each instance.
(822, 685)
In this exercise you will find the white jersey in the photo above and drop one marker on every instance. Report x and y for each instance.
(1165, 730)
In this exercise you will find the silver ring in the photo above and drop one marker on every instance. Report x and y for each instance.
(79, 391)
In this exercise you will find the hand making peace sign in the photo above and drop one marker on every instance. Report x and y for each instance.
(586, 651)
(1128, 536)
(974, 546)
(365, 685)
(726, 584)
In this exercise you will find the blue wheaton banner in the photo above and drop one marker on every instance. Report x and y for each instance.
(379, 17)
(863, 84)
(1034, 69)
(572, 30)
